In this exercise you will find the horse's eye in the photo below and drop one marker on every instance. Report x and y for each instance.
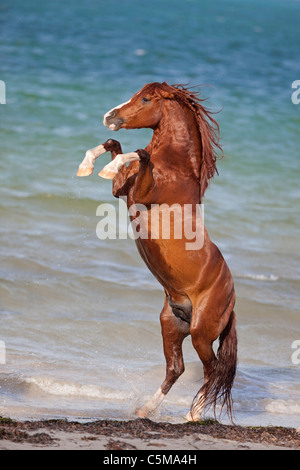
(145, 99)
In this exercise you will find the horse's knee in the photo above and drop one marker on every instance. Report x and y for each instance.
(111, 145)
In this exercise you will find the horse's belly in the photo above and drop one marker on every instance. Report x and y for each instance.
(170, 239)
(179, 254)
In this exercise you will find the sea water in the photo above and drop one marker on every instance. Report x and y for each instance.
(79, 317)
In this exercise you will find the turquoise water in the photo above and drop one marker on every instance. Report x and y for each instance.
(80, 316)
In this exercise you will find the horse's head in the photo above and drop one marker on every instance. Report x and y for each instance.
(146, 108)
(143, 110)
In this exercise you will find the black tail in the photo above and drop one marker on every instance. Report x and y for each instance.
(218, 387)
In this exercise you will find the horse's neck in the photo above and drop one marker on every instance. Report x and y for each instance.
(177, 140)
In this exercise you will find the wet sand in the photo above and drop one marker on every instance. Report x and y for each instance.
(142, 434)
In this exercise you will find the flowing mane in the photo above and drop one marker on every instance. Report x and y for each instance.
(209, 132)
(207, 125)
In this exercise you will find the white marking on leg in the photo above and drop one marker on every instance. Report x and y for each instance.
(112, 126)
(87, 165)
(156, 400)
(111, 169)
(196, 411)
(152, 404)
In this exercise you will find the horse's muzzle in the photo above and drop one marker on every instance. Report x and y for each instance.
(111, 121)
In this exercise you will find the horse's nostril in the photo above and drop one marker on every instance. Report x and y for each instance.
(111, 120)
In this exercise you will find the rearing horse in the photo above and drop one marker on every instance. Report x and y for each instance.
(175, 168)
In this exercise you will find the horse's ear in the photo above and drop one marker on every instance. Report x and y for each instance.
(166, 94)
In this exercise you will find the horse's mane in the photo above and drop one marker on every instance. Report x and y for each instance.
(207, 125)
(209, 132)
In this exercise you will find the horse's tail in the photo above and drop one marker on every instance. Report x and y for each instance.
(219, 384)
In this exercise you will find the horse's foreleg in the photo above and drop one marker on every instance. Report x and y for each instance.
(86, 167)
(120, 181)
(142, 175)
(174, 330)
(144, 182)
(144, 185)
(111, 169)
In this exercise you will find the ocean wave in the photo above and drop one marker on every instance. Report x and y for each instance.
(289, 407)
(72, 389)
(64, 199)
(111, 275)
(259, 277)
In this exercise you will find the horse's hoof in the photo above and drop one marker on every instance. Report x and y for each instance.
(142, 412)
(107, 174)
(192, 418)
(84, 171)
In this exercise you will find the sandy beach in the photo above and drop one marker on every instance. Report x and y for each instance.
(142, 434)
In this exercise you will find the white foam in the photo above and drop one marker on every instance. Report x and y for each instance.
(289, 407)
(261, 277)
(55, 387)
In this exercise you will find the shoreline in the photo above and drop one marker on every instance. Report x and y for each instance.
(142, 434)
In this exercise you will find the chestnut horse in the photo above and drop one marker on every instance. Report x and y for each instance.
(175, 168)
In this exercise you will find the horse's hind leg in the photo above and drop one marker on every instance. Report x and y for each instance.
(203, 346)
(219, 371)
(174, 330)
